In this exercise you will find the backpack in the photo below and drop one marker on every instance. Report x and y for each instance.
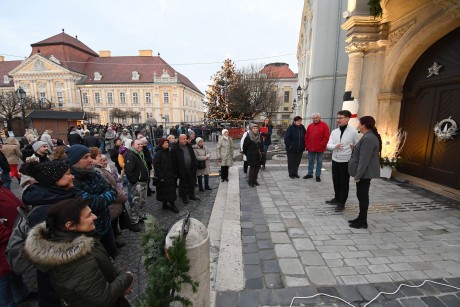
(14, 253)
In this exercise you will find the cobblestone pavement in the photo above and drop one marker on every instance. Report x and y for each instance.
(295, 245)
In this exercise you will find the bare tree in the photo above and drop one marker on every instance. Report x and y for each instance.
(253, 94)
(10, 107)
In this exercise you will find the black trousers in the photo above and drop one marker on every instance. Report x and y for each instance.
(362, 192)
(187, 184)
(293, 159)
(253, 173)
(224, 172)
(341, 181)
(245, 166)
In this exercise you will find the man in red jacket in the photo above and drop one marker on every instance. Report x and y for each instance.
(316, 139)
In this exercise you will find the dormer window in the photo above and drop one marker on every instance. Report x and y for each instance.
(54, 59)
(97, 76)
(135, 76)
(6, 79)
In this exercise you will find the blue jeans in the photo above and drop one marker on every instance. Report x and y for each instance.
(12, 290)
(311, 162)
(102, 147)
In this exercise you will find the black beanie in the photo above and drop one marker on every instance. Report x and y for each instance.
(48, 173)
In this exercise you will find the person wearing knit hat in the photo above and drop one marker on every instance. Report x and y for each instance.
(203, 155)
(75, 153)
(254, 150)
(50, 173)
(54, 184)
(41, 151)
(224, 152)
(89, 185)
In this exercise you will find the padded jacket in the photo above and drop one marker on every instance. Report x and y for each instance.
(79, 267)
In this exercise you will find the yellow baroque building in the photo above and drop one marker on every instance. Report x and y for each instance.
(63, 71)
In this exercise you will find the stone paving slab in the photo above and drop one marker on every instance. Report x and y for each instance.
(412, 236)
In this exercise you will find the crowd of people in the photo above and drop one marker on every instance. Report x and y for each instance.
(76, 200)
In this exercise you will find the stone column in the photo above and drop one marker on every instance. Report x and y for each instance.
(389, 111)
(197, 246)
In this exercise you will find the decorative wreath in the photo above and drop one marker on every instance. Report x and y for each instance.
(448, 132)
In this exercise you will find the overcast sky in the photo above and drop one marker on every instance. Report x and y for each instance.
(187, 33)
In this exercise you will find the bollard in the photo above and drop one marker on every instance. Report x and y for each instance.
(197, 246)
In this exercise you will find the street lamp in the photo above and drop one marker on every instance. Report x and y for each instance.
(22, 95)
(299, 91)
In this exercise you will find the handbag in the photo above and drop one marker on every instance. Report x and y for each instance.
(201, 164)
(124, 220)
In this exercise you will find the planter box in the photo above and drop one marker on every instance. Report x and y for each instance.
(385, 172)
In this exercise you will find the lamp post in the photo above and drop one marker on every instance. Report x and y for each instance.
(22, 95)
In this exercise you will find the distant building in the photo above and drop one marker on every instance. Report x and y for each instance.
(286, 84)
(64, 71)
(322, 59)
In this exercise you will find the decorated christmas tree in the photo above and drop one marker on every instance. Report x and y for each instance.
(219, 92)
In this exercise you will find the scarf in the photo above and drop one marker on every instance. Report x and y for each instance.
(254, 137)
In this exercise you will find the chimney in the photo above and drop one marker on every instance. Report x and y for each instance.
(2, 58)
(105, 53)
(145, 53)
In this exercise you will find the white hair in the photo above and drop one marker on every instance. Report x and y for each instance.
(316, 114)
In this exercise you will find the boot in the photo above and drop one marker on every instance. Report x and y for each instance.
(206, 182)
(173, 207)
(200, 183)
(359, 224)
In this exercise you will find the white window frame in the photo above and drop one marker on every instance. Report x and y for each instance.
(110, 98)
(165, 97)
(135, 98)
(97, 98)
(148, 98)
(122, 98)
(85, 98)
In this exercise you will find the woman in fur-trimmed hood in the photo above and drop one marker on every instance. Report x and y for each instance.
(79, 267)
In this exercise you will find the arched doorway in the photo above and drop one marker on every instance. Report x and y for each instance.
(429, 97)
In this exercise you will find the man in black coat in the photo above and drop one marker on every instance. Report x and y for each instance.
(91, 141)
(137, 172)
(186, 164)
(74, 137)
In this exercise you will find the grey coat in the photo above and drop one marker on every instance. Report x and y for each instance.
(225, 151)
(365, 162)
(201, 154)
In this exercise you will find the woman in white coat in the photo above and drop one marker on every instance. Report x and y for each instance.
(225, 154)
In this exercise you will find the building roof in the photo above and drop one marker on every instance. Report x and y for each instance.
(5, 68)
(278, 71)
(49, 114)
(65, 39)
(119, 69)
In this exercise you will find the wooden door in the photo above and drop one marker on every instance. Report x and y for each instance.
(427, 101)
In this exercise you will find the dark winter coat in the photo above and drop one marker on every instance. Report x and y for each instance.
(267, 136)
(79, 267)
(178, 157)
(36, 195)
(294, 138)
(165, 171)
(148, 157)
(136, 168)
(74, 138)
(4, 165)
(253, 151)
(91, 141)
(89, 185)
